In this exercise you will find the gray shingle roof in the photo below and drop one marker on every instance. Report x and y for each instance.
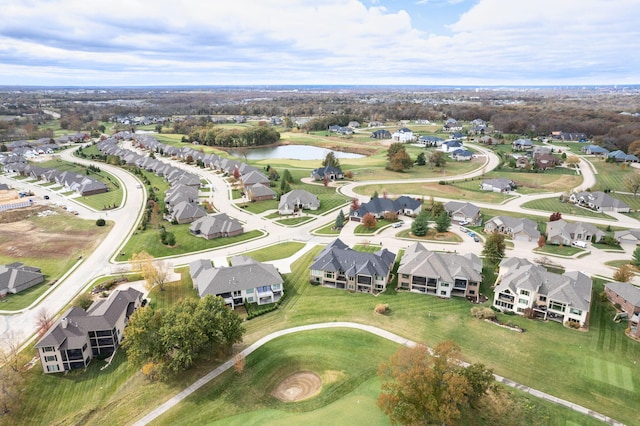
(627, 291)
(337, 256)
(245, 273)
(420, 261)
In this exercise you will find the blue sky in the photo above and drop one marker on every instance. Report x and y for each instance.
(255, 42)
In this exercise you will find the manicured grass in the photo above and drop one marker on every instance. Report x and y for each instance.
(276, 251)
(149, 241)
(341, 365)
(363, 230)
(633, 202)
(558, 250)
(558, 179)
(553, 204)
(173, 291)
(328, 229)
(432, 235)
(294, 221)
(463, 190)
(259, 206)
(610, 175)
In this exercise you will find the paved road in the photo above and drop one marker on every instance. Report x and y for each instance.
(157, 412)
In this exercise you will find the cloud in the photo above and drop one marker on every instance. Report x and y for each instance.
(333, 41)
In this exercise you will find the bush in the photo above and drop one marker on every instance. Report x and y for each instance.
(100, 222)
(381, 308)
(83, 301)
(483, 313)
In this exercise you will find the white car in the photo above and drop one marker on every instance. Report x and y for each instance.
(580, 244)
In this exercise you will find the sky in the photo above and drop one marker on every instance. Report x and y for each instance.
(311, 42)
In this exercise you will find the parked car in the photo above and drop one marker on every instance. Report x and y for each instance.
(464, 222)
(580, 244)
(476, 239)
(398, 224)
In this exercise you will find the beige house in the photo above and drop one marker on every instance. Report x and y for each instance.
(440, 274)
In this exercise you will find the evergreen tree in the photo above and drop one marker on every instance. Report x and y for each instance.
(635, 260)
(443, 221)
(420, 224)
(340, 220)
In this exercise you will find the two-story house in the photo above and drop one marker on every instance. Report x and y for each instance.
(339, 266)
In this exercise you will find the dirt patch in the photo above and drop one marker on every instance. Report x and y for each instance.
(298, 386)
(22, 237)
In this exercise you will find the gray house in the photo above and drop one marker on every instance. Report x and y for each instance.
(16, 277)
(298, 199)
(245, 281)
(516, 228)
(79, 336)
(599, 201)
(440, 274)
(497, 185)
(339, 266)
(216, 226)
(463, 212)
(566, 233)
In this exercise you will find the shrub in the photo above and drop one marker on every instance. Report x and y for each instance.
(381, 308)
(100, 222)
(83, 301)
(483, 313)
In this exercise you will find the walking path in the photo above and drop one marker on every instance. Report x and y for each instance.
(157, 412)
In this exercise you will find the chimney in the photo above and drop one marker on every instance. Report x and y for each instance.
(64, 322)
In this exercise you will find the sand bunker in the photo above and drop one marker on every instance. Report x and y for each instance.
(298, 386)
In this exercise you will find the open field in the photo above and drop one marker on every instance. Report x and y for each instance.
(553, 204)
(276, 251)
(610, 175)
(52, 243)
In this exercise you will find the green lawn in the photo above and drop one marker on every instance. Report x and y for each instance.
(553, 204)
(149, 241)
(553, 249)
(275, 252)
(294, 221)
(328, 229)
(363, 230)
(610, 175)
(432, 235)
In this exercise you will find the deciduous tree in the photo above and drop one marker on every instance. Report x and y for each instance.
(623, 274)
(355, 204)
(424, 387)
(632, 182)
(154, 272)
(494, 247)
(331, 160)
(400, 162)
(369, 221)
(541, 241)
(437, 159)
(555, 216)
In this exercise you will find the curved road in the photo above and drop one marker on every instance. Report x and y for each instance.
(157, 412)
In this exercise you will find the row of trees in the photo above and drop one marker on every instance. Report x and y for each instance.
(218, 136)
(434, 212)
(166, 341)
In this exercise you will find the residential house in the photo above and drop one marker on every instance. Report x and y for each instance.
(628, 297)
(260, 192)
(451, 125)
(354, 124)
(523, 286)
(440, 274)
(546, 161)
(79, 336)
(245, 281)
(516, 228)
(628, 236)
(375, 123)
(522, 145)
(429, 141)
(522, 162)
(498, 185)
(594, 150)
(403, 135)
(463, 212)
(216, 226)
(186, 212)
(461, 155)
(330, 172)
(339, 266)
(566, 233)
(254, 178)
(298, 199)
(621, 156)
(599, 201)
(381, 134)
(379, 206)
(569, 136)
(341, 130)
(179, 193)
(451, 145)
(16, 277)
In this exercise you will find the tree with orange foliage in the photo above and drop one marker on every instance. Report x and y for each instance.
(369, 221)
(426, 387)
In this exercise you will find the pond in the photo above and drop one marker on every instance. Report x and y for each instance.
(296, 152)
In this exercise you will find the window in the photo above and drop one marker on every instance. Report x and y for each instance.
(329, 275)
(405, 275)
(52, 368)
(250, 299)
(520, 310)
(47, 349)
(543, 298)
(472, 292)
(443, 292)
(523, 301)
(50, 358)
(524, 292)
(250, 290)
(444, 284)
(557, 306)
(575, 311)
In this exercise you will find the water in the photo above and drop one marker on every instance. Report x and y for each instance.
(296, 152)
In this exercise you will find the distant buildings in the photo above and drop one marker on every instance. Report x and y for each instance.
(16, 277)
